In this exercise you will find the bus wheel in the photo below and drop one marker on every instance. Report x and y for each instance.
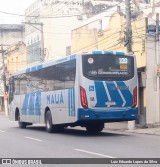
(94, 127)
(21, 125)
(48, 122)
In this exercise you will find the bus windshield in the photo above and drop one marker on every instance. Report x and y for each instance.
(108, 67)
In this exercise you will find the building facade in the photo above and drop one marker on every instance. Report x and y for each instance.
(48, 34)
(16, 57)
(9, 34)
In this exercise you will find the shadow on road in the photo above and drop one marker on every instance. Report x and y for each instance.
(79, 132)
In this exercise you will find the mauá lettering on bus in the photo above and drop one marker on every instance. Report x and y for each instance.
(55, 99)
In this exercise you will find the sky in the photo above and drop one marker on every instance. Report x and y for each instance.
(13, 6)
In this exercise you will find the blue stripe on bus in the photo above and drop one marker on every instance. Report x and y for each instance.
(114, 94)
(38, 104)
(113, 115)
(115, 53)
(33, 68)
(120, 53)
(28, 70)
(73, 109)
(74, 102)
(31, 104)
(97, 52)
(108, 52)
(39, 66)
(71, 102)
(25, 105)
(69, 106)
(120, 96)
(101, 97)
(126, 93)
(72, 57)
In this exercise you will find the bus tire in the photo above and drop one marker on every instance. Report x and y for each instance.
(48, 122)
(21, 125)
(94, 127)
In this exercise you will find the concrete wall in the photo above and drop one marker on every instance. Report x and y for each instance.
(152, 81)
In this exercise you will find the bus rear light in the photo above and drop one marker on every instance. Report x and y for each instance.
(84, 102)
(134, 103)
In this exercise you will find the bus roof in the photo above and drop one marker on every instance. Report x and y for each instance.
(64, 59)
(45, 64)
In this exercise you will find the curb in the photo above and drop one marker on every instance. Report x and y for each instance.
(154, 132)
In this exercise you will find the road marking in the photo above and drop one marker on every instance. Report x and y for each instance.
(2, 131)
(89, 152)
(32, 138)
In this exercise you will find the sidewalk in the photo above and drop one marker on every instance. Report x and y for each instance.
(150, 131)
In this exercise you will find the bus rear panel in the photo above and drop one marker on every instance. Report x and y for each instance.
(108, 88)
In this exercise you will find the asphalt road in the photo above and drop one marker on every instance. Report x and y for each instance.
(35, 142)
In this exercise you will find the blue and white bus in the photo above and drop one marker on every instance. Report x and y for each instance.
(86, 90)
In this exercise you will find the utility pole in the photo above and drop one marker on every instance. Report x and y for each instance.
(42, 36)
(131, 124)
(128, 26)
(157, 26)
(157, 116)
(4, 81)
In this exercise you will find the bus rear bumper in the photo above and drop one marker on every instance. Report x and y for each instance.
(127, 114)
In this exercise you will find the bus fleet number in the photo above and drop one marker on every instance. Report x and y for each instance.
(123, 61)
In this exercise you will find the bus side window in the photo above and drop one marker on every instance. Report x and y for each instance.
(59, 77)
(23, 87)
(48, 77)
(11, 89)
(70, 71)
(50, 85)
(17, 87)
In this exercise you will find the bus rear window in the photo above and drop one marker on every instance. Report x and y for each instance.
(108, 67)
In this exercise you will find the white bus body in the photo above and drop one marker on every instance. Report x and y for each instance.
(79, 90)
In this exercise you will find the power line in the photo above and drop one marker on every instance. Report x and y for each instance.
(47, 17)
(30, 16)
(95, 42)
(103, 40)
(56, 16)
